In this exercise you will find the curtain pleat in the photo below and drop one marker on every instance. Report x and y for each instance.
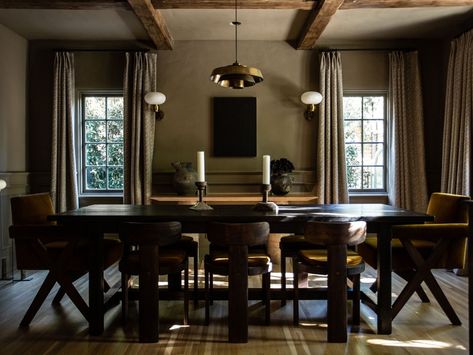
(331, 180)
(63, 160)
(457, 131)
(407, 179)
(139, 121)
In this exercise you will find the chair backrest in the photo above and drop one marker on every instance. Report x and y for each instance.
(159, 233)
(31, 209)
(448, 208)
(335, 233)
(250, 234)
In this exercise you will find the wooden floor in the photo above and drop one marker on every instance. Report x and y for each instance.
(418, 329)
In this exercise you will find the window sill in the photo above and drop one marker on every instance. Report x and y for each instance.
(369, 197)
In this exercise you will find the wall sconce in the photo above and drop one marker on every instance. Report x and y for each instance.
(311, 98)
(155, 99)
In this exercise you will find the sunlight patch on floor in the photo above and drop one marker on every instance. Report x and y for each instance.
(421, 343)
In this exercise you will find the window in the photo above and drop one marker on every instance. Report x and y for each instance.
(365, 145)
(101, 152)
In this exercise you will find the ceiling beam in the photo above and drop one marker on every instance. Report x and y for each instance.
(228, 4)
(153, 22)
(316, 23)
(363, 4)
(64, 4)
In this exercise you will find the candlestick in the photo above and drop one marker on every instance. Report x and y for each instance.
(265, 205)
(200, 166)
(201, 205)
(266, 169)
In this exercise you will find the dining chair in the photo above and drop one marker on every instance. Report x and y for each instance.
(419, 248)
(290, 246)
(149, 251)
(61, 250)
(337, 263)
(254, 238)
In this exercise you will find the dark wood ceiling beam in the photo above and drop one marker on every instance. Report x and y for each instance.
(229, 4)
(153, 22)
(363, 4)
(64, 4)
(316, 23)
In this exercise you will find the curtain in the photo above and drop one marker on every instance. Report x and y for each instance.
(139, 121)
(63, 160)
(406, 160)
(331, 178)
(457, 129)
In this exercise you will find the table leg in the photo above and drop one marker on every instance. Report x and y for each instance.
(96, 287)
(238, 294)
(384, 280)
(337, 294)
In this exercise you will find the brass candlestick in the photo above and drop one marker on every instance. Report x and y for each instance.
(265, 205)
(201, 205)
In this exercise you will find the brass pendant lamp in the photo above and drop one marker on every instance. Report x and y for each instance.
(236, 76)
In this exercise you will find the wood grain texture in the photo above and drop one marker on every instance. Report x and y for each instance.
(242, 4)
(65, 4)
(153, 22)
(418, 329)
(318, 20)
(360, 4)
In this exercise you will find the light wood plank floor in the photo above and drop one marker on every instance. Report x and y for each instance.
(418, 329)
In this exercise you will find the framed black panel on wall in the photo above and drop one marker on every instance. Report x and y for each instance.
(234, 133)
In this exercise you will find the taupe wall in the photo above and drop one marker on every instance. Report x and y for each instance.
(13, 65)
(13, 59)
(282, 131)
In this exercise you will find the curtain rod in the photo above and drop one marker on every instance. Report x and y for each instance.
(100, 50)
(367, 49)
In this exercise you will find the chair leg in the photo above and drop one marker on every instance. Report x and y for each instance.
(295, 302)
(211, 288)
(196, 279)
(207, 304)
(186, 293)
(283, 278)
(125, 285)
(267, 296)
(43, 292)
(356, 300)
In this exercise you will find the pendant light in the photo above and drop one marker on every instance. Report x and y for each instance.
(236, 76)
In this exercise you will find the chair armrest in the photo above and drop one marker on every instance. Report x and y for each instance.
(47, 233)
(430, 231)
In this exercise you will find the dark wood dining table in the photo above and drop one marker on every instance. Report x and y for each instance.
(95, 220)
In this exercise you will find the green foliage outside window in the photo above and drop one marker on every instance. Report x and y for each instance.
(103, 142)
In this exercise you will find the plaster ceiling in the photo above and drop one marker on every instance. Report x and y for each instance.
(346, 25)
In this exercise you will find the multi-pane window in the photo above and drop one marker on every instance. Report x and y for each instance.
(102, 143)
(365, 125)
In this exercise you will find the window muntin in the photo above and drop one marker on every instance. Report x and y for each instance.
(102, 143)
(365, 141)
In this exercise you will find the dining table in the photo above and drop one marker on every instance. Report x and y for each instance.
(97, 220)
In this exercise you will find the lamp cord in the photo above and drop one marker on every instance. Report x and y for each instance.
(236, 32)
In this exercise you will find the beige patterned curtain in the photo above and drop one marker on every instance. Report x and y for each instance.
(457, 140)
(63, 159)
(331, 177)
(407, 185)
(139, 79)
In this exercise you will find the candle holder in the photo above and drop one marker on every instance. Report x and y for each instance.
(265, 205)
(201, 205)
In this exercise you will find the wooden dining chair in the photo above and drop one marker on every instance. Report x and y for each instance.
(290, 246)
(419, 248)
(150, 250)
(63, 251)
(337, 263)
(253, 237)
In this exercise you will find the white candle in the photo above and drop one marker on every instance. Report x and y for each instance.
(200, 167)
(266, 169)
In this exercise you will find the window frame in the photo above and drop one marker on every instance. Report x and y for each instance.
(386, 145)
(81, 142)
